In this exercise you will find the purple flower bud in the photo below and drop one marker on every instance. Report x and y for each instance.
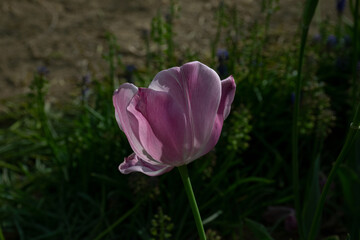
(86, 80)
(292, 98)
(129, 70)
(222, 54)
(42, 70)
(331, 41)
(340, 6)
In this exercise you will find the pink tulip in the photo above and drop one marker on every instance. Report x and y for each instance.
(176, 120)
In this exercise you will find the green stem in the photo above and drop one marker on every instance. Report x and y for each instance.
(355, 53)
(189, 192)
(309, 10)
(295, 137)
(1, 234)
(350, 138)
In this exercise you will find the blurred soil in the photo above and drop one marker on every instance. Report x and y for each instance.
(68, 36)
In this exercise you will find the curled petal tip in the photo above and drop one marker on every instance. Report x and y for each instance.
(116, 91)
(135, 164)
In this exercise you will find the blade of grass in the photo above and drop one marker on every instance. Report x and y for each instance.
(355, 54)
(309, 10)
(259, 231)
(312, 195)
(121, 219)
(1, 234)
(350, 138)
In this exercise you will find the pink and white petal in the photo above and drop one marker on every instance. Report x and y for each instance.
(135, 164)
(169, 81)
(160, 123)
(228, 88)
(203, 91)
(121, 99)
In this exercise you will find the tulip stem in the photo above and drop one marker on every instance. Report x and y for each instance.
(189, 192)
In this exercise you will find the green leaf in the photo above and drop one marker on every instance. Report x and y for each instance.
(312, 196)
(259, 231)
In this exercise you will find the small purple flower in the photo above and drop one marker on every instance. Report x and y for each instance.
(222, 54)
(42, 71)
(292, 98)
(331, 41)
(340, 6)
(86, 80)
(129, 73)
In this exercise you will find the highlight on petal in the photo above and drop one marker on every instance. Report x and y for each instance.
(135, 164)
(203, 91)
(228, 88)
(121, 100)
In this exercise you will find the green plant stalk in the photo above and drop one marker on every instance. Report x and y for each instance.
(309, 10)
(189, 192)
(356, 40)
(1, 234)
(350, 138)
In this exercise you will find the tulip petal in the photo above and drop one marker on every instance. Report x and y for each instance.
(135, 164)
(159, 123)
(197, 88)
(121, 99)
(228, 88)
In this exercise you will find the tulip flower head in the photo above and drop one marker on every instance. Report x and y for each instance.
(174, 121)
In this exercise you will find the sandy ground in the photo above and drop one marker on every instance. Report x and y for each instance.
(67, 36)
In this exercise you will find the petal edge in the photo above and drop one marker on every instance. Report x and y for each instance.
(135, 164)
